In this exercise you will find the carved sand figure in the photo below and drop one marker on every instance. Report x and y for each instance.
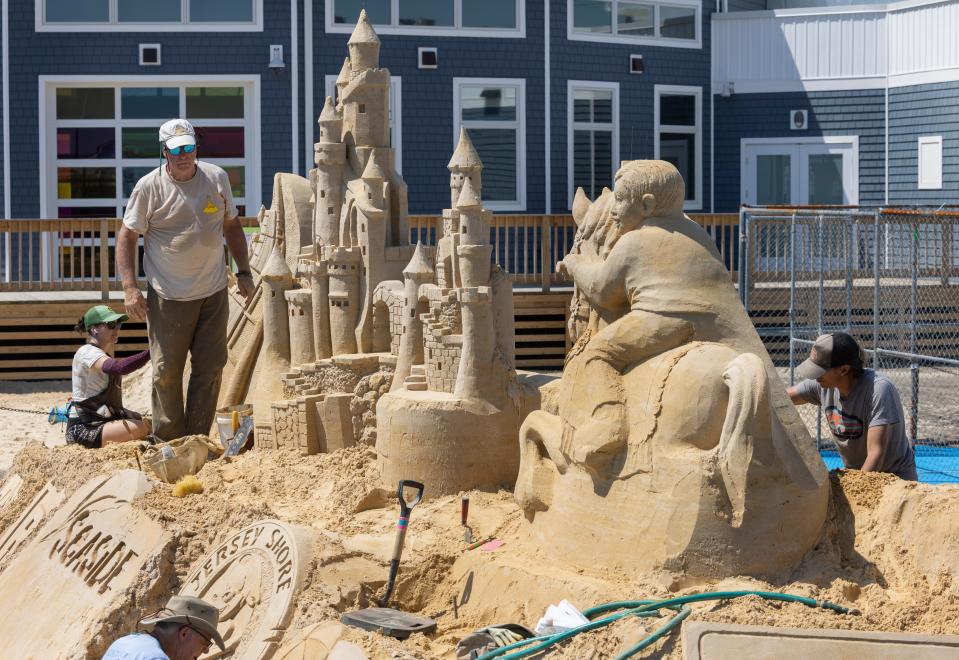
(674, 434)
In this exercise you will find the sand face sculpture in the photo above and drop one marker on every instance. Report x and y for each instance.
(92, 550)
(252, 577)
(452, 413)
(675, 446)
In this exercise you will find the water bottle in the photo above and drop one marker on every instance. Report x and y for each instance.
(166, 452)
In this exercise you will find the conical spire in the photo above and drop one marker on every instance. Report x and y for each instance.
(468, 198)
(465, 156)
(419, 265)
(343, 79)
(363, 33)
(372, 171)
(329, 111)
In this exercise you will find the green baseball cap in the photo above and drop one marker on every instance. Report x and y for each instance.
(102, 314)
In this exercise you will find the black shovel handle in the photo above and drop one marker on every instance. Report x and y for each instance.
(401, 524)
(406, 507)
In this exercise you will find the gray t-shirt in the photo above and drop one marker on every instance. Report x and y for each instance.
(182, 227)
(874, 401)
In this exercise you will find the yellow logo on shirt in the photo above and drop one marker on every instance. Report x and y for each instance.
(210, 207)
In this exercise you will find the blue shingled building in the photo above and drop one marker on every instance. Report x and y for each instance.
(759, 101)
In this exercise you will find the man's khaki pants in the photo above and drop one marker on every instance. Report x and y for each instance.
(175, 328)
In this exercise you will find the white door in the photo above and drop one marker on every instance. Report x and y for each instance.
(808, 171)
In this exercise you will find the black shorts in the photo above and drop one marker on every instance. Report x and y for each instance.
(89, 434)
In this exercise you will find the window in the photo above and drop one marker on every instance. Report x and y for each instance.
(493, 111)
(673, 23)
(593, 136)
(678, 138)
(930, 162)
(396, 116)
(98, 138)
(152, 15)
(503, 18)
(817, 170)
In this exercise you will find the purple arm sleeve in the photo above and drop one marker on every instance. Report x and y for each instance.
(124, 366)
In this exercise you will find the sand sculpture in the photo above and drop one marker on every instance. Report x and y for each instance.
(452, 413)
(16, 534)
(90, 553)
(345, 301)
(674, 445)
(252, 577)
(10, 490)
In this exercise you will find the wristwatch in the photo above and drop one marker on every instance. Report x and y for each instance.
(244, 273)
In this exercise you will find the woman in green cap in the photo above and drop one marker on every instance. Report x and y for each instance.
(97, 416)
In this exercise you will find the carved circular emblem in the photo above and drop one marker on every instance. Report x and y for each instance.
(252, 578)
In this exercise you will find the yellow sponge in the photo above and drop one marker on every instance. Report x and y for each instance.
(186, 485)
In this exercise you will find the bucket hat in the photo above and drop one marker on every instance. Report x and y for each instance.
(190, 611)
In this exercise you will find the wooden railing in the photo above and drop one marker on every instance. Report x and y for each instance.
(79, 254)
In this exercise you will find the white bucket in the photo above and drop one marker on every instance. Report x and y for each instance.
(229, 419)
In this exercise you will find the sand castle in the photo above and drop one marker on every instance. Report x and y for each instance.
(674, 444)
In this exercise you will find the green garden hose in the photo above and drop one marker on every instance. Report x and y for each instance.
(645, 608)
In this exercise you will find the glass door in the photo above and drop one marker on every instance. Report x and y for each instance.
(821, 171)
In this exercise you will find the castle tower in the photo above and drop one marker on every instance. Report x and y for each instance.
(474, 377)
(344, 269)
(299, 304)
(329, 154)
(417, 272)
(316, 271)
(364, 46)
(474, 250)
(277, 280)
(373, 178)
(464, 164)
(342, 80)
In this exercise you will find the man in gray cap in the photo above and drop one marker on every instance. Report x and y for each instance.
(184, 209)
(183, 630)
(862, 407)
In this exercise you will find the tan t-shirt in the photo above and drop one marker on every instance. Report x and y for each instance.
(182, 227)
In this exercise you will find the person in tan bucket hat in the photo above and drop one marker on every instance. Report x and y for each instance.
(183, 630)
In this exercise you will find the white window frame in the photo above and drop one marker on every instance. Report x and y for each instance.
(396, 115)
(800, 149)
(114, 25)
(929, 180)
(456, 30)
(48, 124)
(573, 86)
(519, 124)
(613, 37)
(695, 204)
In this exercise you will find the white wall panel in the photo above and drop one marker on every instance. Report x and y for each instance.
(836, 47)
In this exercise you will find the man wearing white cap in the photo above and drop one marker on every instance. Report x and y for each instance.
(184, 209)
(861, 407)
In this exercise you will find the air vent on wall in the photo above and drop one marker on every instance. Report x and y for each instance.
(798, 120)
(636, 64)
(149, 54)
(427, 58)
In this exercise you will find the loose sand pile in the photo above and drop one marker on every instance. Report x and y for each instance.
(887, 548)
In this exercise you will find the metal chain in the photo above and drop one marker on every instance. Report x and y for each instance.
(21, 410)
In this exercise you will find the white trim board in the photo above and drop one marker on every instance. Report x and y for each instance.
(929, 179)
(571, 125)
(839, 84)
(695, 204)
(519, 32)
(183, 26)
(519, 204)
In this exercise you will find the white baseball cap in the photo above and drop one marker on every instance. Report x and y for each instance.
(176, 133)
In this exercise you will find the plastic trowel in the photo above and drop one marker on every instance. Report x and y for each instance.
(383, 619)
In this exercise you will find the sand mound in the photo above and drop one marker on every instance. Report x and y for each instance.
(884, 550)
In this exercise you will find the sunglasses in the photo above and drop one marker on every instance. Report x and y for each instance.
(113, 325)
(186, 148)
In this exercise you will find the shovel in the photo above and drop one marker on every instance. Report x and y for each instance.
(385, 619)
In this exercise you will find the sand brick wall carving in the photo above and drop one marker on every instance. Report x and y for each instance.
(253, 577)
(90, 552)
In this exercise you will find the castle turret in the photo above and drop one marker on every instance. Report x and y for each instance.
(344, 268)
(330, 157)
(464, 164)
(418, 271)
(320, 289)
(474, 378)
(373, 178)
(343, 79)
(364, 46)
(473, 249)
(300, 306)
(277, 280)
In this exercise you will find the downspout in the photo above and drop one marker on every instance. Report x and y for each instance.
(547, 87)
(294, 76)
(8, 260)
(886, 22)
(308, 125)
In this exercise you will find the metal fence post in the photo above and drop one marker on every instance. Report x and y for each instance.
(914, 365)
(875, 291)
(792, 299)
(820, 304)
(848, 235)
(743, 259)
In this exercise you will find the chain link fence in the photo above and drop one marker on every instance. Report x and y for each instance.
(890, 278)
